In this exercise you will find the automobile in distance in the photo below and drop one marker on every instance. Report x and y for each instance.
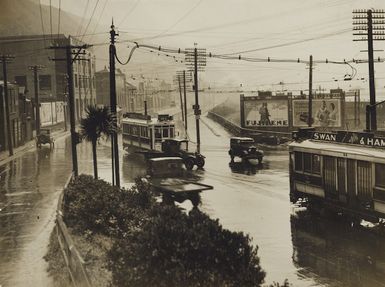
(179, 148)
(246, 150)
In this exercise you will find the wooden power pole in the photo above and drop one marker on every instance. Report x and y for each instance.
(310, 108)
(369, 25)
(35, 69)
(113, 103)
(4, 60)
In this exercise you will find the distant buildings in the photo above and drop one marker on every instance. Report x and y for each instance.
(21, 117)
(52, 81)
(131, 98)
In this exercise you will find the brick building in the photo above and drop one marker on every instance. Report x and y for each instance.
(34, 50)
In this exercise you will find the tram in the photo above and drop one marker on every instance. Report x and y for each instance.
(146, 133)
(344, 171)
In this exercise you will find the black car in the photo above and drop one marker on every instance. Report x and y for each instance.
(245, 149)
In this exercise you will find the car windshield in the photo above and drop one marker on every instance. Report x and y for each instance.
(247, 143)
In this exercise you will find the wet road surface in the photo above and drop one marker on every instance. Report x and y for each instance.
(293, 244)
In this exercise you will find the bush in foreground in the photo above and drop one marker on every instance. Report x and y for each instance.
(175, 249)
(96, 206)
(159, 245)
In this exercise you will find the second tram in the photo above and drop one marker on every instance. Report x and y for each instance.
(342, 170)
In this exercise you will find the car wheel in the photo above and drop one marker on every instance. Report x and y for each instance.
(200, 161)
(189, 163)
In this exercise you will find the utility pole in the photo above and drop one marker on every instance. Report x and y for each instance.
(71, 95)
(196, 60)
(115, 147)
(185, 102)
(7, 59)
(310, 108)
(180, 97)
(35, 69)
(370, 31)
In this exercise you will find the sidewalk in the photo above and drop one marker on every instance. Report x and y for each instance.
(28, 146)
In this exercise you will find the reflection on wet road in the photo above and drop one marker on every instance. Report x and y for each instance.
(305, 249)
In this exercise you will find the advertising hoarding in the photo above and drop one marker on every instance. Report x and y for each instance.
(51, 113)
(266, 112)
(326, 112)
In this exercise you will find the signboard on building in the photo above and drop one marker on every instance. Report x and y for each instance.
(326, 112)
(266, 111)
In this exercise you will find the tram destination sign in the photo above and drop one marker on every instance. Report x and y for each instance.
(354, 138)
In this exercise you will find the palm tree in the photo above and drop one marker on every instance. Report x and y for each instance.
(97, 123)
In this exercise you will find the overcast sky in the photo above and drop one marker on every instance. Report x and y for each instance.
(288, 29)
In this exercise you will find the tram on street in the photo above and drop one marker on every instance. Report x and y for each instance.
(341, 171)
(146, 133)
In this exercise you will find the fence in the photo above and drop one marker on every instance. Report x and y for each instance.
(74, 261)
(239, 131)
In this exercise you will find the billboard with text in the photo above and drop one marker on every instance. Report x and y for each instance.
(266, 112)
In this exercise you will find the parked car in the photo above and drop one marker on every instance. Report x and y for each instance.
(45, 137)
(245, 149)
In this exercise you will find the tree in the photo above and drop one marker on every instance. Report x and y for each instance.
(97, 123)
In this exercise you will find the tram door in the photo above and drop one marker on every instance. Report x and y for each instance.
(330, 177)
(364, 181)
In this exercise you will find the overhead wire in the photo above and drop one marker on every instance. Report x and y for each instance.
(82, 19)
(89, 21)
(97, 23)
(180, 19)
(129, 12)
(58, 25)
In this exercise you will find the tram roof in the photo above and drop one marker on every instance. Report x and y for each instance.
(339, 148)
(153, 121)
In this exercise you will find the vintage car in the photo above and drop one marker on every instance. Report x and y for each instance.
(167, 177)
(245, 149)
(45, 137)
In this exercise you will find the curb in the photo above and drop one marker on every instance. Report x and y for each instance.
(28, 146)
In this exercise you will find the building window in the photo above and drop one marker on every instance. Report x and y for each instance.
(45, 82)
(379, 175)
(21, 81)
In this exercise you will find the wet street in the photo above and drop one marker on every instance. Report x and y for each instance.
(292, 244)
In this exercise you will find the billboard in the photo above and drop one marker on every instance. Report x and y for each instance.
(326, 112)
(268, 112)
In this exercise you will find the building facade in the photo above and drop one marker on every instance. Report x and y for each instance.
(52, 77)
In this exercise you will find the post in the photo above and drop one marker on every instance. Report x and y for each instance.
(71, 102)
(310, 108)
(368, 124)
(196, 106)
(372, 91)
(113, 103)
(185, 101)
(37, 101)
(9, 135)
(145, 108)
(180, 97)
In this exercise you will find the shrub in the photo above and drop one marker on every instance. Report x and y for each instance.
(97, 206)
(176, 249)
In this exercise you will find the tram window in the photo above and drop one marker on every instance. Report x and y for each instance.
(165, 132)
(171, 132)
(298, 161)
(380, 178)
(316, 163)
(307, 160)
(158, 134)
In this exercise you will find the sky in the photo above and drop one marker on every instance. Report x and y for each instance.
(279, 29)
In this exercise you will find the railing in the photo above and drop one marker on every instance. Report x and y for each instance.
(74, 261)
(239, 131)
